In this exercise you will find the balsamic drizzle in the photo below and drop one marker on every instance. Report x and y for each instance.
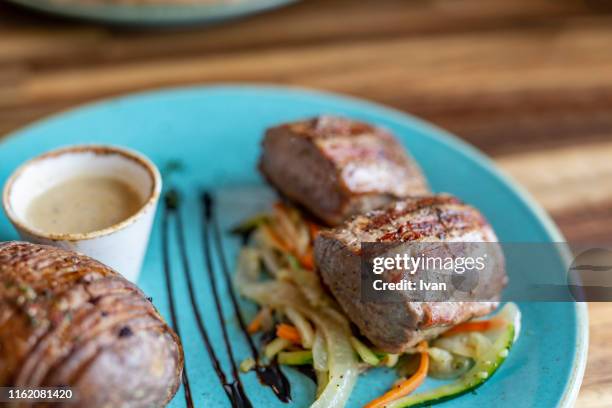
(207, 249)
(234, 390)
(169, 289)
(269, 375)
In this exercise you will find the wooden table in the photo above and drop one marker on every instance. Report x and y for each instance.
(527, 81)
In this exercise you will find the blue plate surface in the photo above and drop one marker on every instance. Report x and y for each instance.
(153, 15)
(215, 133)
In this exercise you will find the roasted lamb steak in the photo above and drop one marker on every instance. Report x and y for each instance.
(337, 167)
(68, 320)
(399, 325)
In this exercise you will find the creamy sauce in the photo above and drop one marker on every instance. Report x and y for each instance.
(82, 205)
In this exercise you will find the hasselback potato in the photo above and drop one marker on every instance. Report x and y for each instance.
(68, 320)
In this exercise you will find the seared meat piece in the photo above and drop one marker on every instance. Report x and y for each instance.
(66, 319)
(337, 167)
(398, 325)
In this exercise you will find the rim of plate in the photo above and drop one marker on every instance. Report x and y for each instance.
(574, 382)
(153, 14)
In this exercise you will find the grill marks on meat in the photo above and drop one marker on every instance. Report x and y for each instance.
(336, 167)
(397, 326)
(63, 321)
(440, 217)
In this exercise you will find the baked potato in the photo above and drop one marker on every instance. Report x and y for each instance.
(68, 320)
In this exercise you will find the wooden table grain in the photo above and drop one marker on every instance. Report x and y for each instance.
(527, 81)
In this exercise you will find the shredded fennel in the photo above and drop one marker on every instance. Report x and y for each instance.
(342, 362)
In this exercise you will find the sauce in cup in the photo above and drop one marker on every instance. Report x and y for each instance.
(83, 204)
(93, 199)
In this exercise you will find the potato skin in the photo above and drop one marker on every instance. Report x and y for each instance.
(68, 320)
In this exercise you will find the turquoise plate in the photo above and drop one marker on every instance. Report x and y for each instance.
(154, 15)
(215, 133)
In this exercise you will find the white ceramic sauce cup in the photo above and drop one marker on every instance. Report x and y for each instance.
(121, 246)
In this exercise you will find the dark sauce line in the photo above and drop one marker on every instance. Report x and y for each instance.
(270, 375)
(207, 248)
(233, 390)
(169, 289)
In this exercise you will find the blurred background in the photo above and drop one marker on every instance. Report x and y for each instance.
(529, 82)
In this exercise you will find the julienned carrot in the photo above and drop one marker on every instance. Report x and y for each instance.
(280, 206)
(257, 321)
(279, 242)
(405, 387)
(475, 326)
(314, 230)
(288, 332)
(305, 260)
(255, 324)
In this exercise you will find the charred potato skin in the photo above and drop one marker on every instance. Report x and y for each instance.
(68, 320)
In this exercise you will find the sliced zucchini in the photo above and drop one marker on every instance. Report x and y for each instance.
(511, 313)
(301, 357)
(293, 262)
(247, 364)
(470, 345)
(250, 224)
(364, 352)
(484, 367)
(276, 346)
(447, 366)
(391, 360)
